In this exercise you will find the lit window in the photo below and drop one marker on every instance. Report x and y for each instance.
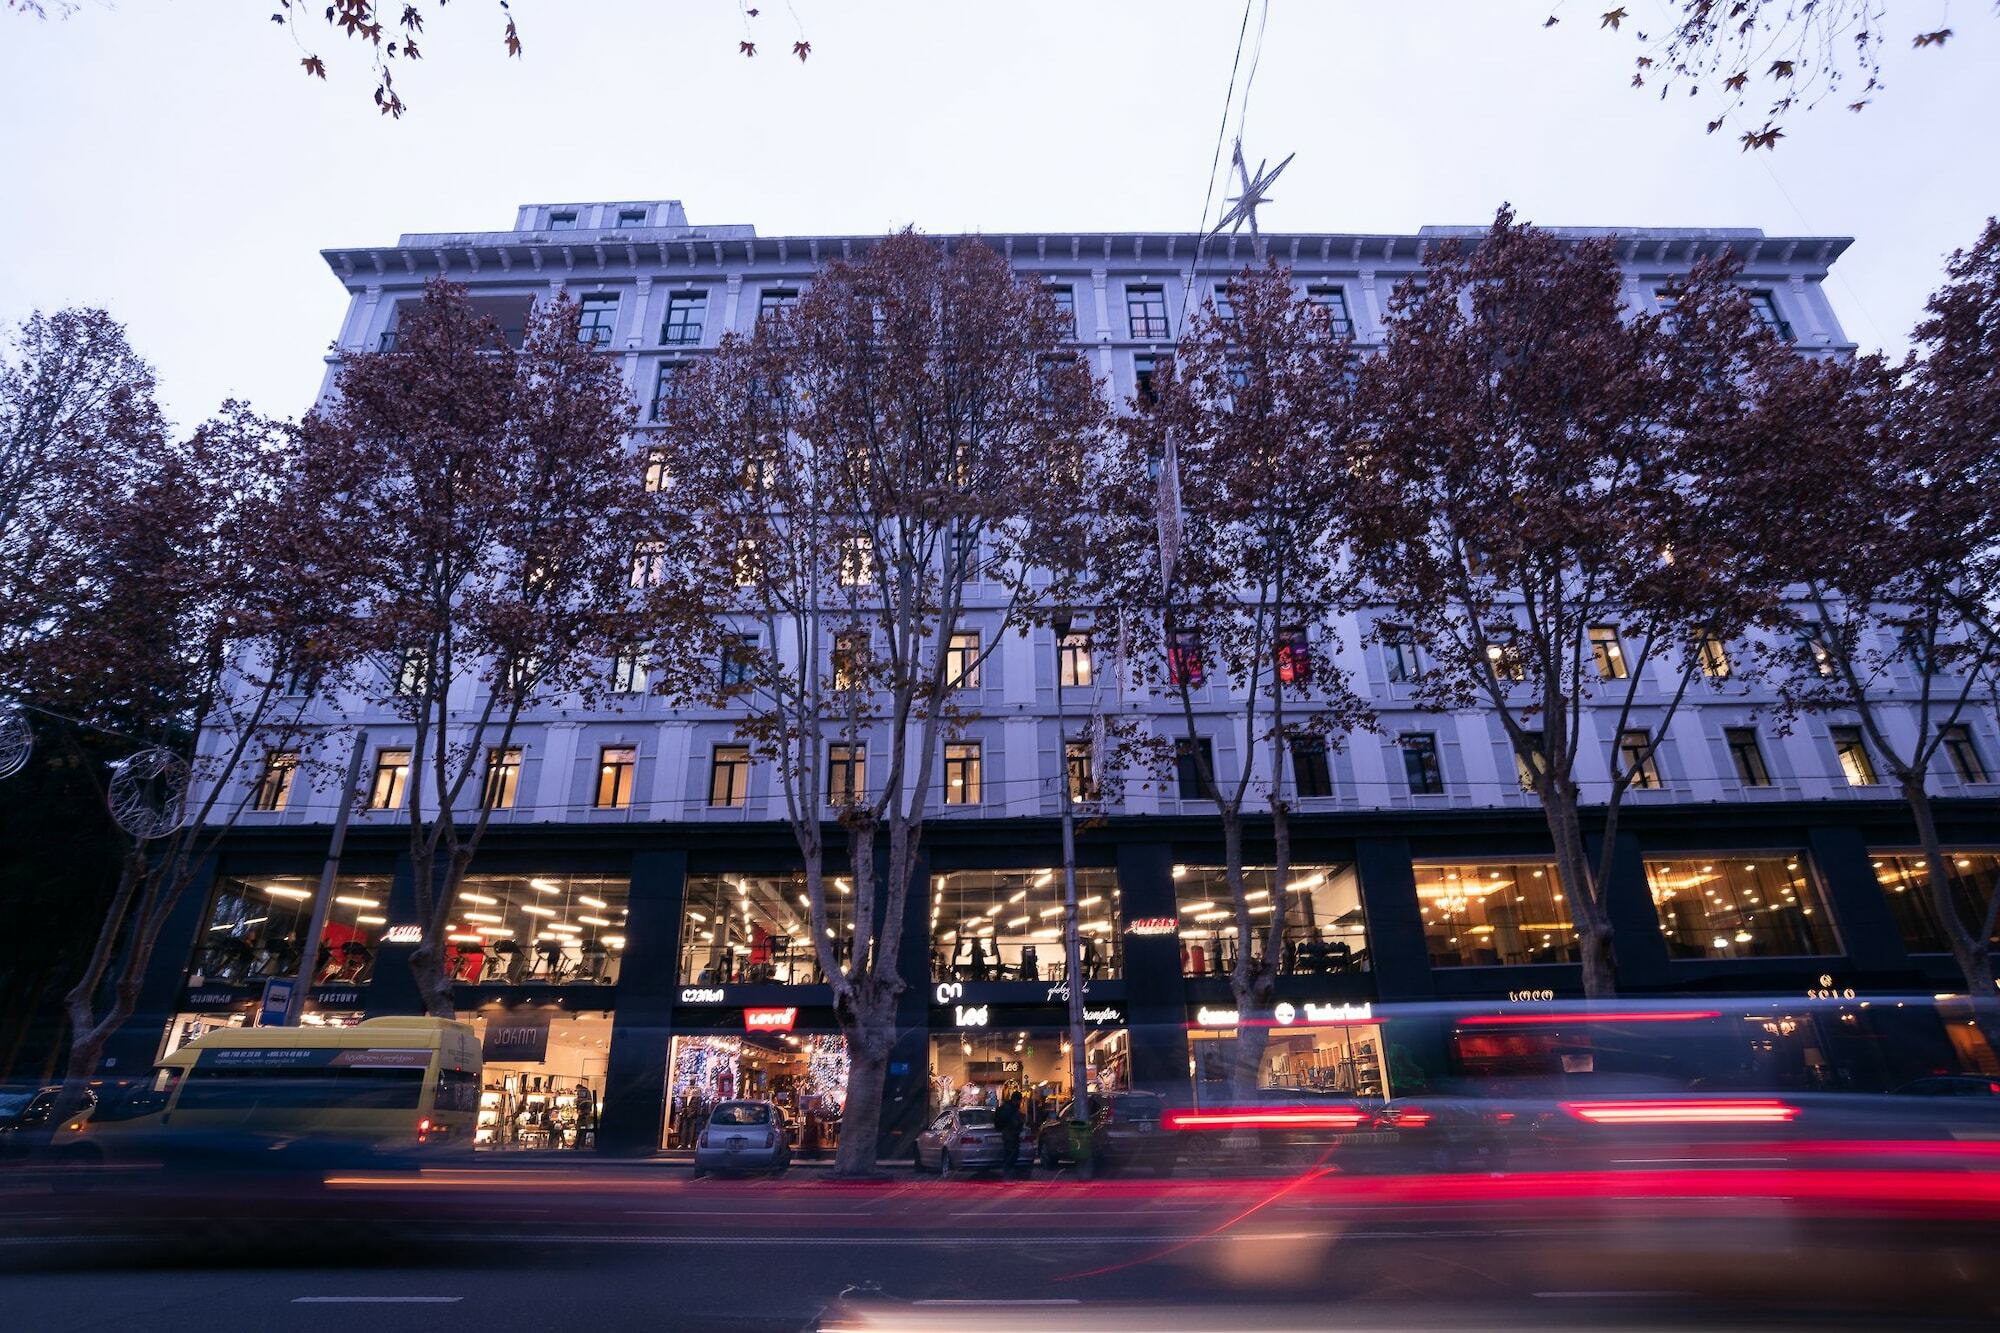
(1074, 664)
(655, 477)
(1081, 769)
(857, 559)
(1524, 762)
(1906, 885)
(686, 314)
(413, 672)
(1747, 756)
(503, 778)
(1638, 756)
(615, 768)
(1855, 764)
(1607, 653)
(1737, 906)
(1503, 654)
(1184, 667)
(1713, 654)
(392, 777)
(961, 660)
(1494, 914)
(850, 660)
(729, 777)
(1294, 657)
(1325, 930)
(846, 774)
(597, 319)
(961, 773)
(274, 787)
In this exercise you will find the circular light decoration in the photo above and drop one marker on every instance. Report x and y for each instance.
(17, 741)
(148, 794)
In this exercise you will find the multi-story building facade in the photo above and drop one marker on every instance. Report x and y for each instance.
(631, 939)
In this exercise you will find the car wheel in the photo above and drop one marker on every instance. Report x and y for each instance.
(699, 1172)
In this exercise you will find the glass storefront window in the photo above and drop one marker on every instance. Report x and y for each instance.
(1343, 1058)
(1325, 929)
(984, 1068)
(1007, 925)
(744, 929)
(256, 928)
(805, 1073)
(1740, 907)
(1906, 886)
(549, 1096)
(1494, 913)
(537, 930)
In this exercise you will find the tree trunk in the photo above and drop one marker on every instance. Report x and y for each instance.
(1587, 908)
(867, 1021)
(1973, 954)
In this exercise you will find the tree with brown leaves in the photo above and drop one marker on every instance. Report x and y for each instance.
(1225, 555)
(1542, 462)
(496, 498)
(865, 477)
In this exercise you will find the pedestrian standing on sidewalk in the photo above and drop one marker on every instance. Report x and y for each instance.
(1008, 1120)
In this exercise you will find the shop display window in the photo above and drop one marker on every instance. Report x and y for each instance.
(1345, 1059)
(1906, 886)
(1325, 932)
(256, 929)
(804, 1073)
(1740, 907)
(537, 930)
(757, 929)
(550, 1102)
(1007, 925)
(1494, 914)
(985, 1068)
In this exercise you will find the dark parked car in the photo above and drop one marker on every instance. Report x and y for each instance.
(1126, 1131)
(1951, 1085)
(961, 1136)
(743, 1136)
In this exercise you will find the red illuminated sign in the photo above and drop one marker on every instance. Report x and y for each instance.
(769, 1020)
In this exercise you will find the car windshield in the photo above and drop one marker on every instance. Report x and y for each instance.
(741, 1113)
(975, 1117)
(13, 1103)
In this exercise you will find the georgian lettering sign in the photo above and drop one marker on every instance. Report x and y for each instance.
(1826, 990)
(947, 991)
(701, 995)
(1529, 996)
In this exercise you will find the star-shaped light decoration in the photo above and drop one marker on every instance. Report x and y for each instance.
(1244, 204)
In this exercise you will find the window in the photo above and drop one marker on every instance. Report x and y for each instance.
(729, 777)
(1294, 656)
(392, 776)
(964, 551)
(850, 659)
(1668, 302)
(1145, 370)
(1963, 754)
(628, 673)
(1855, 764)
(1606, 652)
(846, 774)
(256, 928)
(649, 564)
(745, 562)
(296, 682)
(629, 218)
(413, 671)
(738, 929)
(274, 788)
(1311, 776)
(1815, 650)
(562, 220)
(1638, 756)
(961, 773)
(1906, 885)
(1184, 659)
(857, 559)
(1064, 296)
(1078, 763)
(1191, 761)
(655, 477)
(1525, 761)
(1764, 305)
(1747, 756)
(503, 778)
(776, 302)
(1073, 662)
(1713, 654)
(1494, 914)
(1399, 654)
(1007, 925)
(616, 765)
(665, 386)
(544, 929)
(737, 662)
(1332, 300)
(1503, 654)
(1325, 931)
(1736, 906)
(1420, 763)
(597, 318)
(1225, 306)
(1479, 558)
(1912, 644)
(686, 313)
(961, 660)
(1146, 310)
(521, 676)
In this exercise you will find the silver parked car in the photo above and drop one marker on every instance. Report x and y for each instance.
(960, 1137)
(743, 1136)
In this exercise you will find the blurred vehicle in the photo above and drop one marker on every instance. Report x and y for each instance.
(25, 1109)
(961, 1136)
(741, 1137)
(1409, 1134)
(1283, 1127)
(121, 1117)
(1951, 1085)
(1126, 1131)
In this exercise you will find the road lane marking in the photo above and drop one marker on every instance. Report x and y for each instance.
(375, 1300)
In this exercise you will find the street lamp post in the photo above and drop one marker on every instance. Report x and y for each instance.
(1079, 1067)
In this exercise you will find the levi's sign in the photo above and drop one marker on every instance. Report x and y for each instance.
(770, 1020)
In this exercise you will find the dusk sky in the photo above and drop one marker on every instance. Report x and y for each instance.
(181, 170)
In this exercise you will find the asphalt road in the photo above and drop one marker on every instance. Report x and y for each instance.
(648, 1247)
